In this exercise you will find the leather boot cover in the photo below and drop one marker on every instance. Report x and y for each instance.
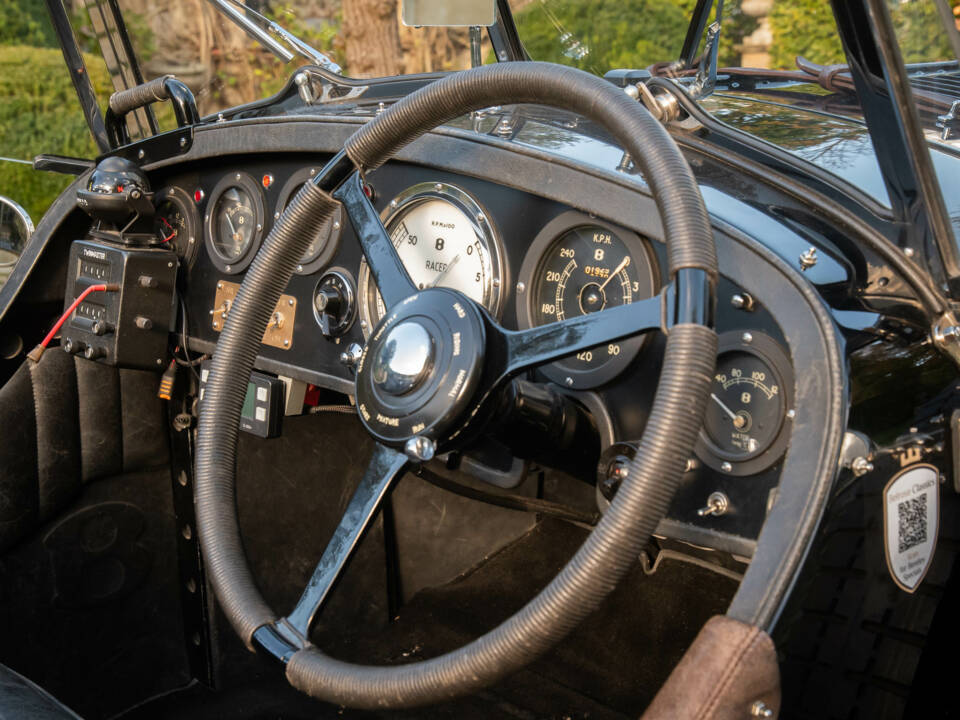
(730, 672)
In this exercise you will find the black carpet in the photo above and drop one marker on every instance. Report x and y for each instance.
(609, 668)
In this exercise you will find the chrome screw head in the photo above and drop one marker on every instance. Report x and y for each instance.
(420, 448)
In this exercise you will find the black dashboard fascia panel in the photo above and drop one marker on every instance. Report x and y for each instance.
(545, 185)
(822, 399)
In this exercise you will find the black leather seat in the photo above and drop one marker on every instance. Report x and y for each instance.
(20, 699)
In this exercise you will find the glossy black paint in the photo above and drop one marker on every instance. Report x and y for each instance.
(385, 265)
(78, 73)
(886, 101)
(184, 110)
(504, 36)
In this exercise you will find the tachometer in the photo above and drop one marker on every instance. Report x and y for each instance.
(577, 266)
(744, 429)
(444, 239)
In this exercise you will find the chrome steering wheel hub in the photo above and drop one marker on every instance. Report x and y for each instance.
(420, 367)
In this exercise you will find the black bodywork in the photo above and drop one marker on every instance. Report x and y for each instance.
(801, 552)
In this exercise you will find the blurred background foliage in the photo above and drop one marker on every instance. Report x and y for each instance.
(39, 112)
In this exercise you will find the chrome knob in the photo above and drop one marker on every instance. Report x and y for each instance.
(403, 359)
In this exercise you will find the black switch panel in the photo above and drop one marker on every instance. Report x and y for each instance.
(127, 328)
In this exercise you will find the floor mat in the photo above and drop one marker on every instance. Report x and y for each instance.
(608, 669)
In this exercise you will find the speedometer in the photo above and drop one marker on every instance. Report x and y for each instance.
(579, 266)
(444, 239)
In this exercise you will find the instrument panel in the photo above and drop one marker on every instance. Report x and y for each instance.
(530, 261)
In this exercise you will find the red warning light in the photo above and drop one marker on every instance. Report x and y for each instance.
(198, 196)
(267, 181)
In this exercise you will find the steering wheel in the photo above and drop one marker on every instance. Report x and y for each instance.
(426, 375)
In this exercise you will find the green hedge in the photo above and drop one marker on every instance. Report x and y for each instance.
(40, 113)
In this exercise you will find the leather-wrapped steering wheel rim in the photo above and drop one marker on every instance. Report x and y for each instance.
(674, 422)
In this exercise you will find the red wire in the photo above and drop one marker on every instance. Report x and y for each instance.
(80, 298)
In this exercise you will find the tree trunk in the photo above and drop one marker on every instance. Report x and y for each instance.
(372, 38)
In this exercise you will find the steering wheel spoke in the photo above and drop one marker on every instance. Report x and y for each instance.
(388, 271)
(385, 467)
(543, 344)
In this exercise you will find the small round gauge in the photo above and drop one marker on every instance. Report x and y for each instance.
(745, 429)
(578, 266)
(234, 222)
(175, 222)
(324, 245)
(444, 239)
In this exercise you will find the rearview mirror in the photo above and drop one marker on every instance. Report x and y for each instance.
(449, 12)
(16, 227)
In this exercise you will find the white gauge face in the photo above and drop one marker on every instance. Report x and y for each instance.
(440, 246)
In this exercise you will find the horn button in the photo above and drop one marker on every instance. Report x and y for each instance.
(420, 367)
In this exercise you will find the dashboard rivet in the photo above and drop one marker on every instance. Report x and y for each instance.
(141, 154)
(313, 172)
(238, 176)
(183, 142)
(496, 282)
(726, 467)
(521, 287)
(219, 286)
(438, 187)
(276, 215)
(747, 337)
(908, 252)
(229, 268)
(569, 381)
(393, 203)
(742, 301)
(290, 302)
(480, 217)
(692, 464)
(259, 227)
(286, 343)
(336, 225)
(299, 268)
(791, 414)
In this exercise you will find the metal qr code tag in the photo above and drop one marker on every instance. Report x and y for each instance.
(911, 517)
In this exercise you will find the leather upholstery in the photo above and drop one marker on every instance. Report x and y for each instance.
(20, 699)
(729, 673)
(64, 422)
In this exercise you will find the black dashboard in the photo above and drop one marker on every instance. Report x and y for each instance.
(519, 259)
(535, 234)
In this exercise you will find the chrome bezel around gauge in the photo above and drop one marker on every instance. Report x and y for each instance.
(769, 352)
(252, 188)
(188, 248)
(313, 262)
(563, 372)
(480, 223)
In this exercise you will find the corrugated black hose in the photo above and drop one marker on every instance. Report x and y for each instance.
(614, 545)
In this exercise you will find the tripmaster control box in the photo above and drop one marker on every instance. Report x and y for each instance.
(127, 327)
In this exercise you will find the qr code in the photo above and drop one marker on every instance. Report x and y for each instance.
(913, 522)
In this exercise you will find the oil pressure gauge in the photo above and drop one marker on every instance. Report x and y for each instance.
(746, 426)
